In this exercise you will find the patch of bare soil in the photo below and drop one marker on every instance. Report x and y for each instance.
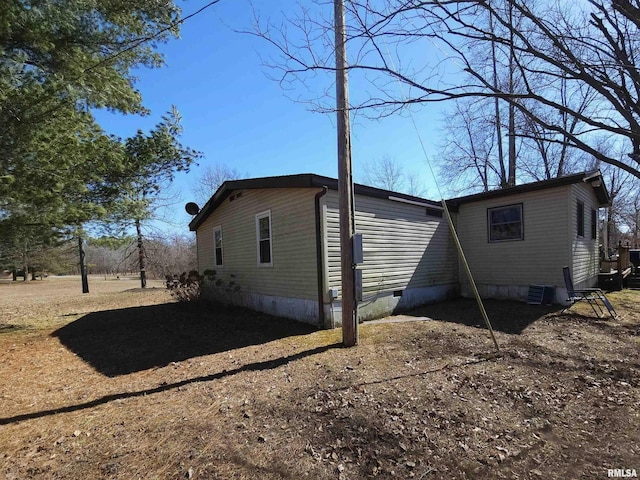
(161, 390)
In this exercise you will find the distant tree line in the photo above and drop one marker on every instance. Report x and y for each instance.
(166, 255)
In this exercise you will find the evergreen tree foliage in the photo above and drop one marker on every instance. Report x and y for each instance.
(58, 61)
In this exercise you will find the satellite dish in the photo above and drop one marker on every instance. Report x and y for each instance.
(192, 208)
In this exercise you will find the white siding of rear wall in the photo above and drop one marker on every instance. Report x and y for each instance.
(404, 250)
(584, 250)
(291, 282)
(506, 269)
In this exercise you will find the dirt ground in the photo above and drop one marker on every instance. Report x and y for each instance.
(122, 383)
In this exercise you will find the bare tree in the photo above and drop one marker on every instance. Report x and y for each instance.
(103, 258)
(165, 254)
(170, 255)
(631, 216)
(383, 172)
(472, 154)
(497, 118)
(211, 178)
(621, 186)
(387, 173)
(588, 47)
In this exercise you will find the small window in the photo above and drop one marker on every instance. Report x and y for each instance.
(594, 223)
(217, 245)
(263, 234)
(580, 218)
(505, 223)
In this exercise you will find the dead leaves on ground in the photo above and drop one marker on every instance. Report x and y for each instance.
(416, 400)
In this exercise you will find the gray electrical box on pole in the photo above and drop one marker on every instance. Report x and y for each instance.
(358, 252)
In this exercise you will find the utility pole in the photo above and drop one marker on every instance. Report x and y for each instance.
(345, 183)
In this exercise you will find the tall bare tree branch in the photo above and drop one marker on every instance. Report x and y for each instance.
(585, 49)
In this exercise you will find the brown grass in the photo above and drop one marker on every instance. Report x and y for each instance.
(122, 383)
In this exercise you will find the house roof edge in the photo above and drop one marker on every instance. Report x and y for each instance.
(594, 177)
(302, 180)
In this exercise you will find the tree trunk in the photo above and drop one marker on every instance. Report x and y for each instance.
(143, 274)
(83, 269)
(503, 173)
(25, 269)
(511, 180)
(608, 230)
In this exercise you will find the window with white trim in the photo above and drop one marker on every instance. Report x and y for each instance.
(217, 246)
(263, 237)
(505, 223)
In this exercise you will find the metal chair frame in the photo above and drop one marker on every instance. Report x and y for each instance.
(595, 297)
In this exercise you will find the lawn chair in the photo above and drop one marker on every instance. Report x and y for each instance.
(593, 296)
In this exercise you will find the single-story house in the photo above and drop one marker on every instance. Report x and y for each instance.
(276, 239)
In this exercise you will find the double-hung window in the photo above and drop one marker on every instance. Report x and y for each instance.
(505, 223)
(594, 224)
(217, 244)
(263, 237)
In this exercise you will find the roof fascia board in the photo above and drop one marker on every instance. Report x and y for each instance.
(309, 180)
(591, 177)
(304, 180)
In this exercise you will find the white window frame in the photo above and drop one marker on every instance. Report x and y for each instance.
(215, 248)
(259, 216)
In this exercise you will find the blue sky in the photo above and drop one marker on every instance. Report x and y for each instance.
(237, 116)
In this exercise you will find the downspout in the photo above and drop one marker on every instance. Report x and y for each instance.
(320, 256)
(197, 251)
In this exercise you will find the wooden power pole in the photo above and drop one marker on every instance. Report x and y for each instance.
(345, 183)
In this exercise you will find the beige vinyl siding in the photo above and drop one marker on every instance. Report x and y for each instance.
(293, 274)
(205, 245)
(538, 258)
(403, 247)
(584, 250)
